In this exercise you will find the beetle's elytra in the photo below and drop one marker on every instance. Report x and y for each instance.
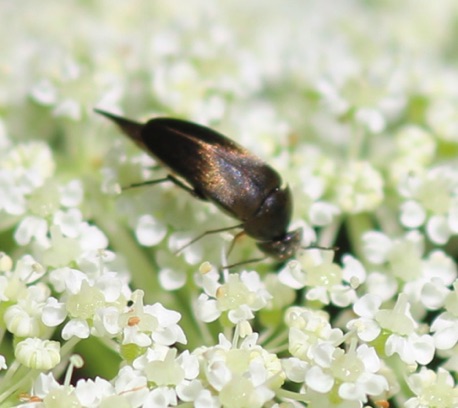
(217, 169)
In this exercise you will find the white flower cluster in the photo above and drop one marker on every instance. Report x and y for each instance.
(323, 367)
(354, 105)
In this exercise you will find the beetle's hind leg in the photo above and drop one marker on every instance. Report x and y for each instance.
(204, 234)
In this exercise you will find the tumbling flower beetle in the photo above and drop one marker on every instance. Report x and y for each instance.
(219, 170)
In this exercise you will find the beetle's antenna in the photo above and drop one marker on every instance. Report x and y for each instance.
(145, 183)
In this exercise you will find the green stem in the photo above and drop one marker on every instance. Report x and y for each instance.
(138, 262)
(23, 375)
(328, 235)
(291, 395)
(68, 347)
(356, 142)
(357, 225)
(189, 322)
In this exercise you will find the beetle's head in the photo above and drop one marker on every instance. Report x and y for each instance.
(284, 247)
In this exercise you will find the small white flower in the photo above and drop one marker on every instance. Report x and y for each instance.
(12, 200)
(239, 296)
(67, 279)
(432, 389)
(318, 380)
(68, 108)
(445, 326)
(442, 117)
(162, 367)
(404, 341)
(6, 263)
(160, 397)
(366, 327)
(76, 328)
(359, 188)
(295, 369)
(71, 193)
(413, 215)
(50, 391)
(247, 370)
(353, 373)
(3, 365)
(33, 162)
(371, 118)
(168, 332)
(438, 272)
(324, 279)
(322, 213)
(438, 229)
(132, 384)
(412, 348)
(382, 285)
(32, 227)
(93, 392)
(106, 321)
(309, 330)
(24, 318)
(414, 150)
(376, 246)
(424, 280)
(62, 250)
(91, 238)
(353, 271)
(142, 324)
(171, 276)
(69, 222)
(357, 370)
(189, 390)
(54, 312)
(38, 354)
(149, 231)
(28, 270)
(432, 195)
(44, 92)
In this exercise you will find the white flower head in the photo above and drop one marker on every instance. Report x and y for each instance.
(92, 392)
(308, 331)
(353, 375)
(323, 278)
(359, 188)
(49, 391)
(431, 199)
(90, 304)
(24, 318)
(166, 371)
(398, 325)
(239, 296)
(247, 367)
(432, 389)
(145, 324)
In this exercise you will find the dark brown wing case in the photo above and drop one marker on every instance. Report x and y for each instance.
(218, 168)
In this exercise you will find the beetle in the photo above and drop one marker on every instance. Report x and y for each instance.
(214, 168)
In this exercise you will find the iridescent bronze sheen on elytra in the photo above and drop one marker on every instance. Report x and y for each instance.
(219, 170)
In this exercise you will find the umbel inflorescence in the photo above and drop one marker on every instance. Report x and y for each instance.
(354, 105)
